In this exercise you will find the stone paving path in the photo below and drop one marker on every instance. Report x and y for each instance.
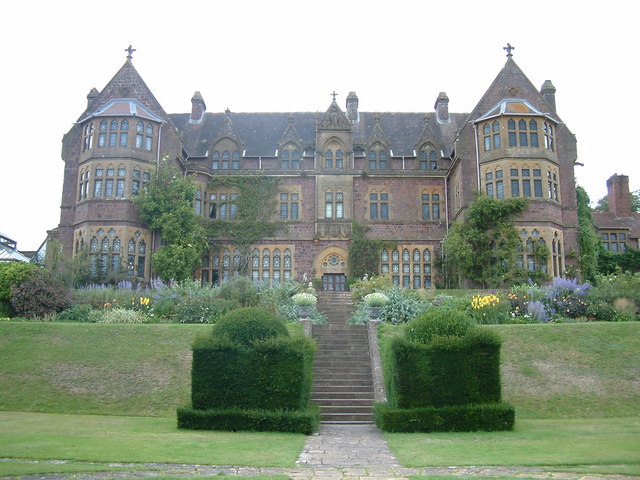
(336, 452)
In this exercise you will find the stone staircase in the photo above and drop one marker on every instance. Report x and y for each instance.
(343, 383)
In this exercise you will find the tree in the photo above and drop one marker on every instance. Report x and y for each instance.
(588, 240)
(166, 206)
(603, 203)
(482, 248)
(254, 219)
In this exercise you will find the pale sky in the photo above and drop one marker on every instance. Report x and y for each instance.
(282, 56)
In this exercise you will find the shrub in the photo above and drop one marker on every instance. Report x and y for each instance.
(403, 305)
(202, 309)
(377, 283)
(437, 322)
(375, 299)
(77, 313)
(241, 290)
(39, 295)
(12, 274)
(621, 285)
(489, 309)
(118, 315)
(537, 311)
(601, 311)
(304, 299)
(245, 325)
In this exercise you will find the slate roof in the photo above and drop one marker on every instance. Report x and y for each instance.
(608, 220)
(261, 133)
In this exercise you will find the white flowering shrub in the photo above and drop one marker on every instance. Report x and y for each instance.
(303, 299)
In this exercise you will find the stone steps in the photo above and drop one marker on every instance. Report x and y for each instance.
(343, 384)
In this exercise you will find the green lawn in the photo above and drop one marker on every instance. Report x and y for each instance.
(533, 442)
(96, 438)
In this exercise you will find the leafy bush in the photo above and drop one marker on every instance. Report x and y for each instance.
(403, 305)
(304, 299)
(202, 309)
(241, 290)
(5, 309)
(490, 309)
(566, 298)
(77, 313)
(40, 294)
(437, 322)
(118, 315)
(107, 296)
(246, 325)
(611, 287)
(601, 311)
(375, 299)
(377, 283)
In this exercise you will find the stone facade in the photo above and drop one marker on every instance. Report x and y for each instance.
(406, 176)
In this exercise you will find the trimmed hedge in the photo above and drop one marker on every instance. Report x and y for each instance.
(276, 374)
(247, 325)
(453, 418)
(300, 421)
(447, 371)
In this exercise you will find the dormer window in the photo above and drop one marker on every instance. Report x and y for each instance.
(377, 157)
(290, 157)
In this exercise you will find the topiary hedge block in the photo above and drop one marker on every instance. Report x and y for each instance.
(446, 371)
(276, 374)
(300, 421)
(453, 418)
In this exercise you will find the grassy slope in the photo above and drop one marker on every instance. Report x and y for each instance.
(139, 370)
(587, 370)
(549, 371)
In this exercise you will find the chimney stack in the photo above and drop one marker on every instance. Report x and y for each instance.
(352, 107)
(91, 96)
(442, 108)
(198, 107)
(619, 196)
(548, 92)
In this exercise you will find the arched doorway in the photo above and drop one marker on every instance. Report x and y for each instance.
(330, 265)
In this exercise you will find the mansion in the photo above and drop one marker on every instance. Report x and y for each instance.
(405, 176)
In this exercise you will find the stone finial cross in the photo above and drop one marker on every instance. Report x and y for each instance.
(508, 48)
(334, 94)
(129, 51)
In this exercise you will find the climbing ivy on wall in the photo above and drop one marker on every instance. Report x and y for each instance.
(256, 216)
(364, 253)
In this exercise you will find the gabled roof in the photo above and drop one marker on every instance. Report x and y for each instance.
(126, 84)
(511, 89)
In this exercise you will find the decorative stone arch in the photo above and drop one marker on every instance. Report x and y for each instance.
(331, 265)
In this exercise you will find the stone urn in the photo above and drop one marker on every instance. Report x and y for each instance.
(304, 311)
(374, 313)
